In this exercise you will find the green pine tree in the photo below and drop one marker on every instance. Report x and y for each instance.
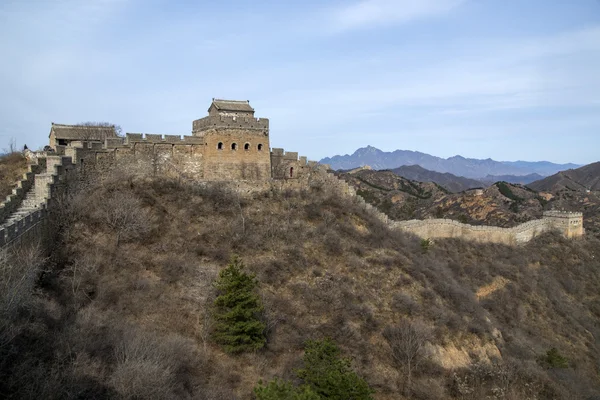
(282, 390)
(330, 375)
(553, 359)
(237, 310)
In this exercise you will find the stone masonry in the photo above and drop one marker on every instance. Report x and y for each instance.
(229, 145)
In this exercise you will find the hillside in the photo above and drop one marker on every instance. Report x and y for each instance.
(448, 181)
(12, 168)
(457, 165)
(501, 204)
(398, 197)
(580, 179)
(124, 310)
(520, 179)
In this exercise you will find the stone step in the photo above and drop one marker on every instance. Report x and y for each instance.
(29, 204)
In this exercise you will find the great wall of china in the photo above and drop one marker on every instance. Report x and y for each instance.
(237, 154)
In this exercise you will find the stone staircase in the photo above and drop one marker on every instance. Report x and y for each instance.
(27, 207)
(30, 203)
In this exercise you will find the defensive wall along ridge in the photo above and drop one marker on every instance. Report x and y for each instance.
(229, 145)
(23, 214)
(446, 228)
(569, 224)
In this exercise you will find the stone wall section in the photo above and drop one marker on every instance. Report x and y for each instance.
(15, 199)
(236, 154)
(28, 222)
(568, 224)
(446, 228)
(201, 125)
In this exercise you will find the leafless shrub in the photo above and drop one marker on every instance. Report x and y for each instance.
(271, 317)
(82, 274)
(503, 380)
(147, 366)
(405, 304)
(122, 212)
(19, 268)
(333, 243)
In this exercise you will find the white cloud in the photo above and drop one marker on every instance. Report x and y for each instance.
(377, 12)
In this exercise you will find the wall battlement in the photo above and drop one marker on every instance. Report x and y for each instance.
(563, 214)
(231, 122)
(166, 139)
(446, 228)
(289, 156)
(230, 145)
(288, 165)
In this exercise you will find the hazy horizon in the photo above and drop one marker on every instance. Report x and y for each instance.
(505, 80)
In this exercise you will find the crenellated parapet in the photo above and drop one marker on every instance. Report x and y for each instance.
(447, 228)
(570, 224)
(230, 122)
(288, 165)
(563, 214)
(131, 138)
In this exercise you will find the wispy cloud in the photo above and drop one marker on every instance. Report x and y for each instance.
(367, 13)
(556, 70)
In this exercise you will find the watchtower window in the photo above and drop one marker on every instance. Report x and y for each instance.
(233, 146)
(220, 146)
(247, 146)
(291, 172)
(260, 147)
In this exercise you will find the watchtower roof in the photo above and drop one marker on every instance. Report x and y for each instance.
(88, 132)
(231, 105)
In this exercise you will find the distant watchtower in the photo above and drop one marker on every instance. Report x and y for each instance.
(570, 224)
(236, 143)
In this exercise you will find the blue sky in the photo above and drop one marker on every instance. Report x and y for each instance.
(506, 79)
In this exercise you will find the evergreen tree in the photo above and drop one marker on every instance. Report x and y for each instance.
(237, 310)
(282, 390)
(330, 375)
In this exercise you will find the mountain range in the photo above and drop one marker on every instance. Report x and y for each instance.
(580, 179)
(466, 167)
(520, 179)
(448, 181)
(411, 192)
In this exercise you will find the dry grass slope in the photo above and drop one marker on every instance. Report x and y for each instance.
(12, 168)
(130, 318)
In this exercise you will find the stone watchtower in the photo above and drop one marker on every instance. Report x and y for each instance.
(236, 145)
(570, 224)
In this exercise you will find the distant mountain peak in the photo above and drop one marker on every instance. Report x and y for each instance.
(456, 165)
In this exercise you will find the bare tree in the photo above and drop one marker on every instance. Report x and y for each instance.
(102, 130)
(204, 325)
(18, 272)
(80, 270)
(12, 146)
(124, 214)
(407, 340)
